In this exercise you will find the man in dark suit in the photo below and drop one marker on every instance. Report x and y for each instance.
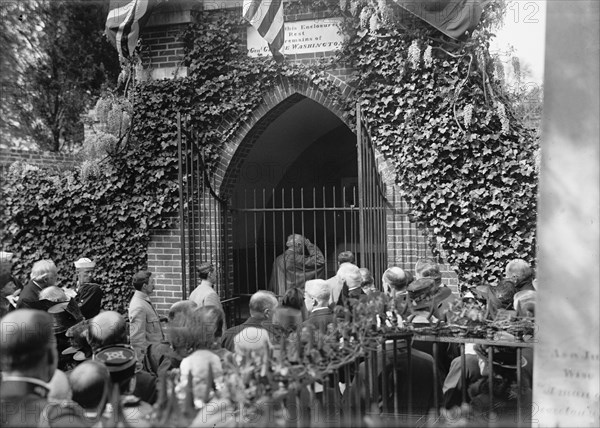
(262, 305)
(29, 361)
(316, 299)
(43, 274)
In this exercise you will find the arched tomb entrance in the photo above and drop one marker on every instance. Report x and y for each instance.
(297, 168)
(298, 172)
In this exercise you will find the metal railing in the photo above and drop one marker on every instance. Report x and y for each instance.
(383, 385)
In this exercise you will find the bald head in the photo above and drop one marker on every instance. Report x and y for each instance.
(107, 328)
(89, 383)
(395, 279)
(28, 344)
(262, 304)
(54, 294)
(251, 339)
(184, 307)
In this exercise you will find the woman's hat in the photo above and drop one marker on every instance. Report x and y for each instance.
(423, 293)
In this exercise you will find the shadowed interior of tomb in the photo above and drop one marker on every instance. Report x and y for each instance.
(299, 177)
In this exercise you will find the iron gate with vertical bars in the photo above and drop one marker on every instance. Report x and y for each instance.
(243, 237)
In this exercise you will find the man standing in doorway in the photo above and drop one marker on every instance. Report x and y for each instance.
(294, 267)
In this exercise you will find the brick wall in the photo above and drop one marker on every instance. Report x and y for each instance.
(162, 53)
(161, 47)
(164, 261)
(50, 160)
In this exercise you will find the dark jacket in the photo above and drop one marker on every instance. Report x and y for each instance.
(89, 299)
(320, 319)
(24, 404)
(422, 381)
(228, 337)
(29, 295)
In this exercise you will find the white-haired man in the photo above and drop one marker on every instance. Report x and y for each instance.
(351, 279)
(43, 274)
(521, 273)
(294, 267)
(316, 299)
(335, 283)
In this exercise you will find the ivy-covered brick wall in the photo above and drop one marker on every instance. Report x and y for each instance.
(48, 160)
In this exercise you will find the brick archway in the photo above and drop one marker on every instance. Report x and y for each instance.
(279, 99)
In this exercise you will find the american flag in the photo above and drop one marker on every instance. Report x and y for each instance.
(267, 17)
(452, 17)
(123, 23)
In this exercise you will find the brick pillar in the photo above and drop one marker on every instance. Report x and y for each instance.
(407, 243)
(164, 261)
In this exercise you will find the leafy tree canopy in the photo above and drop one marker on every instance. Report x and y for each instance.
(55, 62)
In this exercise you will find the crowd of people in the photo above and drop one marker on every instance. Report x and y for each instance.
(67, 362)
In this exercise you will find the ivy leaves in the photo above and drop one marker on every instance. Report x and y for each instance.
(473, 185)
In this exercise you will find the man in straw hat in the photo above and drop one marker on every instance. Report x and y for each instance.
(294, 267)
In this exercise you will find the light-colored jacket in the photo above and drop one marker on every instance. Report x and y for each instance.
(205, 295)
(144, 327)
(335, 286)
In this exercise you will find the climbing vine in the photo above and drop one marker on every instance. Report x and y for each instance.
(464, 161)
(435, 108)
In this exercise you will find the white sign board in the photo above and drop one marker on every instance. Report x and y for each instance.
(301, 37)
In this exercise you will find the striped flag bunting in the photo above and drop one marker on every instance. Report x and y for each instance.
(452, 17)
(267, 17)
(123, 23)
